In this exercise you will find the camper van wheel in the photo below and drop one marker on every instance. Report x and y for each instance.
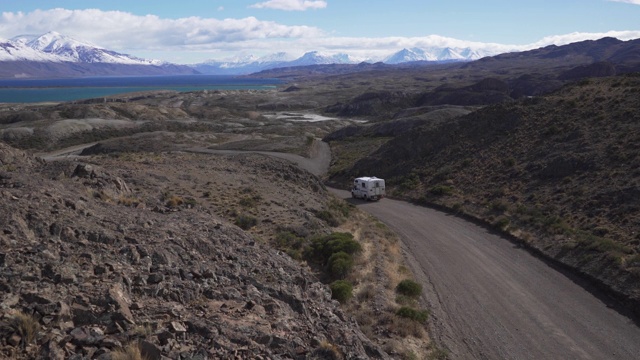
(366, 198)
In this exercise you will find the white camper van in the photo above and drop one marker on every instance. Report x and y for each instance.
(368, 188)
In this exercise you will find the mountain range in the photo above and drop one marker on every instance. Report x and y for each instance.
(57, 55)
(251, 64)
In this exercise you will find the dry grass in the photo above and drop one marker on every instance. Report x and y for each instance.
(129, 201)
(326, 351)
(130, 352)
(24, 325)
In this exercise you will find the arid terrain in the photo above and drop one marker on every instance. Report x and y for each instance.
(161, 223)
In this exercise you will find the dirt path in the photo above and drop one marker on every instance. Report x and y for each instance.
(317, 164)
(491, 300)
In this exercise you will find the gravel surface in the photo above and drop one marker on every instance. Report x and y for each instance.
(492, 300)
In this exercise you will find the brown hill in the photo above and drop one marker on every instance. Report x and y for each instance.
(559, 172)
(378, 95)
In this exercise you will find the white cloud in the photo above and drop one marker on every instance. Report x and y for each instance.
(291, 5)
(195, 39)
(119, 30)
(635, 2)
(580, 36)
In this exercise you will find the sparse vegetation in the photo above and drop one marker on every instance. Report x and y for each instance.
(326, 351)
(441, 190)
(129, 201)
(250, 201)
(130, 352)
(337, 212)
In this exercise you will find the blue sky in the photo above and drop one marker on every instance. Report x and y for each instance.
(192, 31)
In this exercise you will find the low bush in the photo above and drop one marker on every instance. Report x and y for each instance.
(322, 248)
(246, 222)
(341, 290)
(413, 314)
(174, 201)
(409, 288)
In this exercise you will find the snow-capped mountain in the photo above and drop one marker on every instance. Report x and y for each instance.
(251, 64)
(410, 55)
(435, 54)
(64, 56)
(318, 58)
(243, 65)
(55, 47)
(74, 57)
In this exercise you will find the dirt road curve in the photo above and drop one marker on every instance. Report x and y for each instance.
(317, 163)
(491, 300)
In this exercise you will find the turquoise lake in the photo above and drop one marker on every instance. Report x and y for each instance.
(56, 90)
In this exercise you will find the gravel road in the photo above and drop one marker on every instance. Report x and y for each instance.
(492, 300)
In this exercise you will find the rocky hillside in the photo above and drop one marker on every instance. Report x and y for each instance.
(96, 257)
(559, 172)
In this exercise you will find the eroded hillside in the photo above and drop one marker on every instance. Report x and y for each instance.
(559, 172)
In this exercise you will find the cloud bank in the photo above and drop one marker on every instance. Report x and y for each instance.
(291, 5)
(635, 2)
(195, 39)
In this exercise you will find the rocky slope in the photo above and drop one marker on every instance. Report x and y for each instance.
(98, 256)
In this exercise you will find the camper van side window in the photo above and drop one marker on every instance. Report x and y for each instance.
(363, 185)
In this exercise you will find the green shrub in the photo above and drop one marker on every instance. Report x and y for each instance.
(321, 248)
(340, 264)
(413, 314)
(246, 222)
(341, 290)
(409, 288)
(288, 240)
